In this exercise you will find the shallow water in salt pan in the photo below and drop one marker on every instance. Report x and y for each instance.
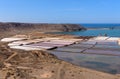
(104, 63)
(100, 57)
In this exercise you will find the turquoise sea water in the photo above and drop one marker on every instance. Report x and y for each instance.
(112, 33)
(112, 30)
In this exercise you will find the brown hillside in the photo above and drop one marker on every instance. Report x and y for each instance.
(40, 27)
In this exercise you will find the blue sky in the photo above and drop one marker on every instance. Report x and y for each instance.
(60, 11)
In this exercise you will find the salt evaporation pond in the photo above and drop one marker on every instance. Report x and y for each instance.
(104, 63)
(103, 57)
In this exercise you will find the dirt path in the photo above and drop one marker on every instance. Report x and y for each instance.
(60, 73)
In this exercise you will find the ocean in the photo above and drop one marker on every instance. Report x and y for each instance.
(112, 30)
(115, 26)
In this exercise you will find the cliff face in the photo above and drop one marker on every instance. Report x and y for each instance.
(40, 27)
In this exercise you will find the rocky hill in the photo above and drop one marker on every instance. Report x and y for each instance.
(40, 27)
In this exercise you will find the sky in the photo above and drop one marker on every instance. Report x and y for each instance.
(60, 11)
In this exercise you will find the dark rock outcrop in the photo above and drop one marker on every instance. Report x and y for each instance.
(40, 27)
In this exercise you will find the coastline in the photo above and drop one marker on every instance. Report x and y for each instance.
(94, 32)
(40, 64)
